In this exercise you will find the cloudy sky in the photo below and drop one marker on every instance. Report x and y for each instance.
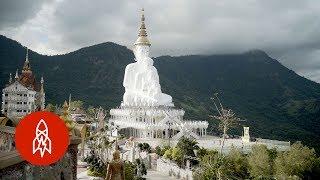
(287, 30)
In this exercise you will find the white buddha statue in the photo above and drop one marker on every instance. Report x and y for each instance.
(141, 79)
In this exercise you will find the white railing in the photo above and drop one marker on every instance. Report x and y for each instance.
(273, 142)
(226, 145)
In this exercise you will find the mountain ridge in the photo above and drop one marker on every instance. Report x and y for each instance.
(276, 102)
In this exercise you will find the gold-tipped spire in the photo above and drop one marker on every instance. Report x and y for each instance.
(66, 118)
(142, 36)
(65, 107)
(26, 66)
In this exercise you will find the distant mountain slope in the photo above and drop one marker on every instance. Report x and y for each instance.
(275, 101)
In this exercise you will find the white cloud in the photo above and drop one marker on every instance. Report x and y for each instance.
(288, 30)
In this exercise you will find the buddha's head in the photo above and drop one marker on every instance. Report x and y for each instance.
(141, 52)
(116, 155)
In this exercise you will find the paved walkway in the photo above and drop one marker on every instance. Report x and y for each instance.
(155, 175)
(82, 172)
(151, 175)
(83, 175)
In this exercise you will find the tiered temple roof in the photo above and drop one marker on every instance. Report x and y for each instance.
(27, 78)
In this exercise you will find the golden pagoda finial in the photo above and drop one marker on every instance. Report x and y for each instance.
(66, 117)
(26, 66)
(65, 108)
(65, 104)
(142, 36)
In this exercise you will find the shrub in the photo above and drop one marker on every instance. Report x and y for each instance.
(164, 149)
(203, 151)
(129, 170)
(212, 166)
(295, 162)
(260, 163)
(142, 166)
(237, 163)
(95, 166)
(168, 154)
(158, 151)
(177, 155)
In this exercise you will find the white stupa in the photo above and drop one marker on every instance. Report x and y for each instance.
(145, 111)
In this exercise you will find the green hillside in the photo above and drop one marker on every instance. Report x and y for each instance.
(275, 101)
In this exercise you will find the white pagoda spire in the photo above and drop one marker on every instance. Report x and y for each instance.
(17, 75)
(10, 78)
(27, 55)
(42, 82)
(69, 101)
(42, 95)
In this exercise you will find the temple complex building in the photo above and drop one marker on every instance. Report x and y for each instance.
(146, 112)
(23, 94)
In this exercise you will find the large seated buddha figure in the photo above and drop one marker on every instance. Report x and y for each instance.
(141, 79)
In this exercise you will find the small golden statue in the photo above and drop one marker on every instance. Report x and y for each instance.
(67, 118)
(115, 168)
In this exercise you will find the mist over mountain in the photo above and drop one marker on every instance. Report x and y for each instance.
(273, 100)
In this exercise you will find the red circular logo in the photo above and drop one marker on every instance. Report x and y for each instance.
(41, 138)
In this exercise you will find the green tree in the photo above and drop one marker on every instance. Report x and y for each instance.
(187, 146)
(158, 151)
(203, 151)
(260, 163)
(77, 104)
(144, 147)
(295, 162)
(212, 166)
(91, 111)
(237, 163)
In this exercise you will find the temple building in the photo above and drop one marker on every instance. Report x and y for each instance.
(23, 94)
(147, 112)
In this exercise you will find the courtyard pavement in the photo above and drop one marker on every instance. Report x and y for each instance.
(156, 175)
(151, 175)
